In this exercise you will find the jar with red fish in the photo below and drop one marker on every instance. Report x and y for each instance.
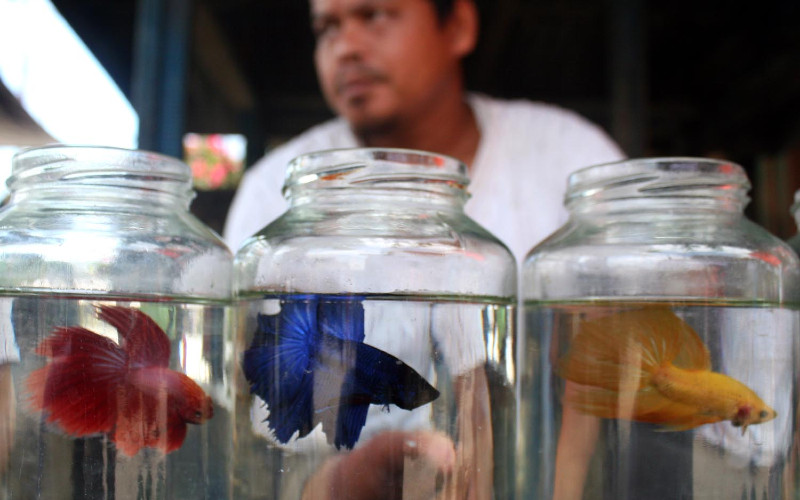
(376, 355)
(115, 322)
(661, 336)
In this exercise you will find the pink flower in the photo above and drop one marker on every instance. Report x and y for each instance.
(198, 168)
(215, 142)
(217, 175)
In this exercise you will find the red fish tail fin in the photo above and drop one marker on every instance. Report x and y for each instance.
(66, 341)
(76, 388)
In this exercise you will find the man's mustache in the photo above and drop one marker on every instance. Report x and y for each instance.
(357, 73)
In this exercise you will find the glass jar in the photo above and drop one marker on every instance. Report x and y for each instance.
(660, 341)
(377, 354)
(114, 308)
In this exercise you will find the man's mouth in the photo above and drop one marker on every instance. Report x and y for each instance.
(355, 88)
(358, 85)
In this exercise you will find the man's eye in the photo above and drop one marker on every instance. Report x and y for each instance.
(375, 15)
(323, 28)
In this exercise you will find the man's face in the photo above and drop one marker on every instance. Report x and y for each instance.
(380, 61)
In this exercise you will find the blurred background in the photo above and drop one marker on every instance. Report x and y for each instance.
(219, 82)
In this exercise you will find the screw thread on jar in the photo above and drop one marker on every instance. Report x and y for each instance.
(105, 176)
(337, 176)
(656, 184)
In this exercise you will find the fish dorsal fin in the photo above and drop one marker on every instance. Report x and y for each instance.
(615, 351)
(653, 330)
(664, 336)
(142, 339)
(622, 349)
(693, 353)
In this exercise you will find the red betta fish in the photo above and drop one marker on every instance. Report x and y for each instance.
(92, 385)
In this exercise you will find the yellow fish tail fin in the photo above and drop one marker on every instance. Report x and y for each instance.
(603, 403)
(613, 358)
(607, 349)
(645, 405)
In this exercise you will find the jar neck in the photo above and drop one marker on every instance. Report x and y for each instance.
(680, 187)
(99, 178)
(368, 177)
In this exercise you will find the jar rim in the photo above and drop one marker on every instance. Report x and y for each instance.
(368, 166)
(658, 163)
(663, 177)
(51, 160)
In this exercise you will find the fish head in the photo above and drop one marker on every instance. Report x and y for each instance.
(752, 413)
(413, 394)
(197, 411)
(193, 405)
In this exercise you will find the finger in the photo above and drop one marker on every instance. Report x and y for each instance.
(377, 468)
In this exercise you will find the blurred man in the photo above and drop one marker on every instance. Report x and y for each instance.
(392, 72)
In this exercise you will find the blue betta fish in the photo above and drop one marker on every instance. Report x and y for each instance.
(310, 364)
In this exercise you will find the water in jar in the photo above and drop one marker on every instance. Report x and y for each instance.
(658, 400)
(375, 397)
(114, 398)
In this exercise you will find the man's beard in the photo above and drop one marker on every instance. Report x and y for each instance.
(356, 111)
(370, 129)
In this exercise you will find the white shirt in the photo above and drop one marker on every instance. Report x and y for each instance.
(518, 176)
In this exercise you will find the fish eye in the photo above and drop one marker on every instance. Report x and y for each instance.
(763, 414)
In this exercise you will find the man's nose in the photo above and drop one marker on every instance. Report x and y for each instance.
(351, 40)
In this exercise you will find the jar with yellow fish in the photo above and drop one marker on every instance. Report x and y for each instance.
(114, 322)
(661, 341)
(376, 358)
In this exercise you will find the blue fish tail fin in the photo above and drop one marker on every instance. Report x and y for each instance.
(349, 422)
(283, 384)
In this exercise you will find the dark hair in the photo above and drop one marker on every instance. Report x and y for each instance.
(443, 8)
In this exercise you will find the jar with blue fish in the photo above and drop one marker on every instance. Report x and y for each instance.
(115, 329)
(660, 352)
(375, 355)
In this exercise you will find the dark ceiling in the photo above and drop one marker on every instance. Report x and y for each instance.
(715, 79)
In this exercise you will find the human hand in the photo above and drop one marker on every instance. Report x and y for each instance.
(391, 465)
(418, 464)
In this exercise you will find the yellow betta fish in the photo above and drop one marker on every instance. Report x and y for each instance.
(648, 365)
